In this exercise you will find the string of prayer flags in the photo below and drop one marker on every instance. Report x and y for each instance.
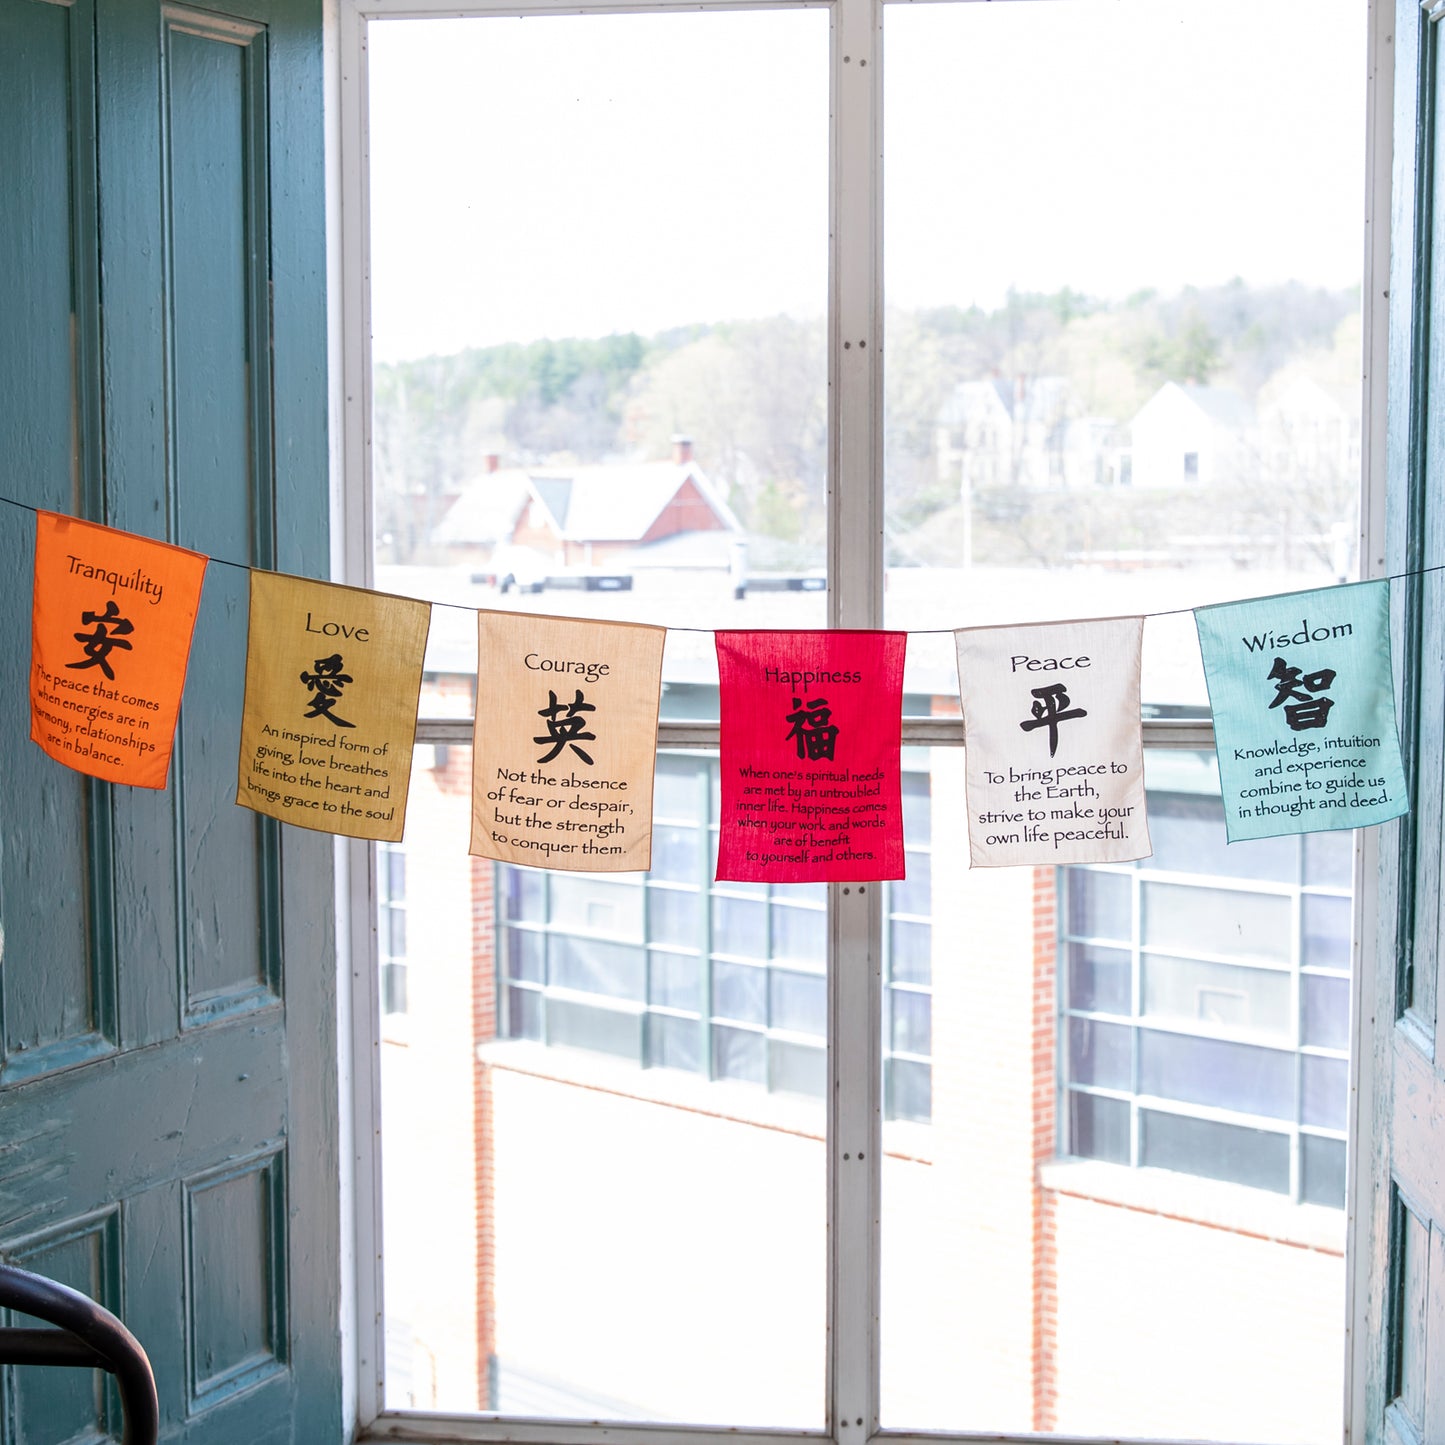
(333, 681)
(111, 627)
(1054, 758)
(811, 730)
(565, 742)
(1304, 710)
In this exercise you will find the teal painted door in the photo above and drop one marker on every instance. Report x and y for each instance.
(1405, 1394)
(168, 1130)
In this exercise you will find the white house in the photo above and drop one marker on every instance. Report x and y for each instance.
(1192, 436)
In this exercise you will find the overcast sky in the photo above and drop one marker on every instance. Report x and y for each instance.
(577, 176)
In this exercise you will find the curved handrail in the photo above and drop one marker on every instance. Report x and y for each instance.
(93, 1336)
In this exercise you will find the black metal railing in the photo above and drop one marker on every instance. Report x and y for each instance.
(85, 1336)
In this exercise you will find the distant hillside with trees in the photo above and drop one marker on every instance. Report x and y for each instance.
(751, 395)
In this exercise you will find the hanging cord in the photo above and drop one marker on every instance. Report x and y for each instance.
(912, 631)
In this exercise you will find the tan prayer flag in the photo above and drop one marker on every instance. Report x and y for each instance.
(333, 677)
(566, 742)
(110, 631)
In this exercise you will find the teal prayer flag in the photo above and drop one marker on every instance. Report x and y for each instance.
(1304, 710)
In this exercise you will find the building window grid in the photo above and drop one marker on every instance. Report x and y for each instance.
(1140, 874)
(391, 926)
(893, 1056)
(536, 1020)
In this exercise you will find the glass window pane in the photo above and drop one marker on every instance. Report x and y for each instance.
(596, 905)
(1215, 1150)
(674, 1043)
(1325, 1084)
(914, 893)
(601, 356)
(917, 809)
(602, 1030)
(740, 925)
(392, 863)
(591, 966)
(1325, 932)
(740, 991)
(1100, 1054)
(910, 951)
(524, 954)
(524, 1014)
(1099, 979)
(912, 1031)
(1223, 995)
(799, 1002)
(1223, 1075)
(908, 1090)
(1326, 1006)
(1098, 1127)
(393, 944)
(1100, 904)
(798, 1069)
(676, 793)
(393, 988)
(674, 982)
(675, 854)
(1213, 920)
(1059, 447)
(800, 934)
(674, 916)
(1330, 859)
(524, 894)
(1187, 831)
(1322, 1165)
(737, 1054)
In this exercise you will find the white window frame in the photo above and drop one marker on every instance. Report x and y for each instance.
(855, 599)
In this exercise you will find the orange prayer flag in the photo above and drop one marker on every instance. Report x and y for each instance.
(333, 678)
(110, 634)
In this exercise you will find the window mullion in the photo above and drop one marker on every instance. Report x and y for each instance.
(855, 599)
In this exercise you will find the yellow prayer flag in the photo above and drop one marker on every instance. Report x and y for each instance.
(566, 742)
(333, 677)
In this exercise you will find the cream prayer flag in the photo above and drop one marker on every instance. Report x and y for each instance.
(1054, 758)
(566, 741)
(333, 677)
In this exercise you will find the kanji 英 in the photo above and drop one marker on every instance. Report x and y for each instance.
(566, 726)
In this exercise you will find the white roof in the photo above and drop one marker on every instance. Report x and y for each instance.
(487, 509)
(604, 503)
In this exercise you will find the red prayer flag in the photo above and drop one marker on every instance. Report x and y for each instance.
(812, 724)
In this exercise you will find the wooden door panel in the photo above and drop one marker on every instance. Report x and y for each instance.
(54, 895)
(1405, 1395)
(157, 1137)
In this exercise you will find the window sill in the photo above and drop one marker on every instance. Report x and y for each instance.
(1199, 1201)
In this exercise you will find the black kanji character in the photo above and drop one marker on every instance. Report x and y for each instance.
(566, 731)
(111, 630)
(812, 727)
(326, 683)
(1051, 707)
